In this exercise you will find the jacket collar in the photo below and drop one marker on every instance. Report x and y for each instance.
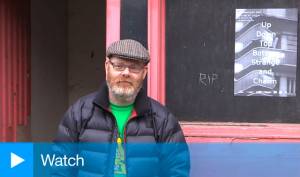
(141, 103)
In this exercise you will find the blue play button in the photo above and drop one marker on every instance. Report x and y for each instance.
(15, 160)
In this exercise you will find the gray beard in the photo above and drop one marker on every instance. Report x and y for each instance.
(127, 94)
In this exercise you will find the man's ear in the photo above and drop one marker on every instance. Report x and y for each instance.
(145, 72)
(106, 66)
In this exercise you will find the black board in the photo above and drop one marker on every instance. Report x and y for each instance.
(200, 38)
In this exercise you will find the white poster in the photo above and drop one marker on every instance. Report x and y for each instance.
(265, 52)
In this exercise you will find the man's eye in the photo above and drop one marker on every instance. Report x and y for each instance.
(133, 67)
(119, 66)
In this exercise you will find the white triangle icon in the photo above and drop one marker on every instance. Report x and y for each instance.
(15, 160)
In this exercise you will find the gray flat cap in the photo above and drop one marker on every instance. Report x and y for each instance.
(128, 49)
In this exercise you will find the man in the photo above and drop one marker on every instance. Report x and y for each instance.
(121, 113)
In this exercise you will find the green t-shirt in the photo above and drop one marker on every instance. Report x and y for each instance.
(122, 114)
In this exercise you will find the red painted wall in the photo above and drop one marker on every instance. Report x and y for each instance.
(14, 67)
(228, 132)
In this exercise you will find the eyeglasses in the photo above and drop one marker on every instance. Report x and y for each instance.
(136, 68)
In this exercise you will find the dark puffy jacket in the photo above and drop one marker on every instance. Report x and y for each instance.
(90, 120)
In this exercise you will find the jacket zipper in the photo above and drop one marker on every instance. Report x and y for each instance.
(124, 131)
(134, 116)
(114, 140)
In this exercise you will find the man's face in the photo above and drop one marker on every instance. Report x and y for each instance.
(124, 77)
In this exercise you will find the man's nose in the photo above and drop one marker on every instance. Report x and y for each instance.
(126, 71)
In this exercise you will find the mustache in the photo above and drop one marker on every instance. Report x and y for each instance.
(119, 81)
